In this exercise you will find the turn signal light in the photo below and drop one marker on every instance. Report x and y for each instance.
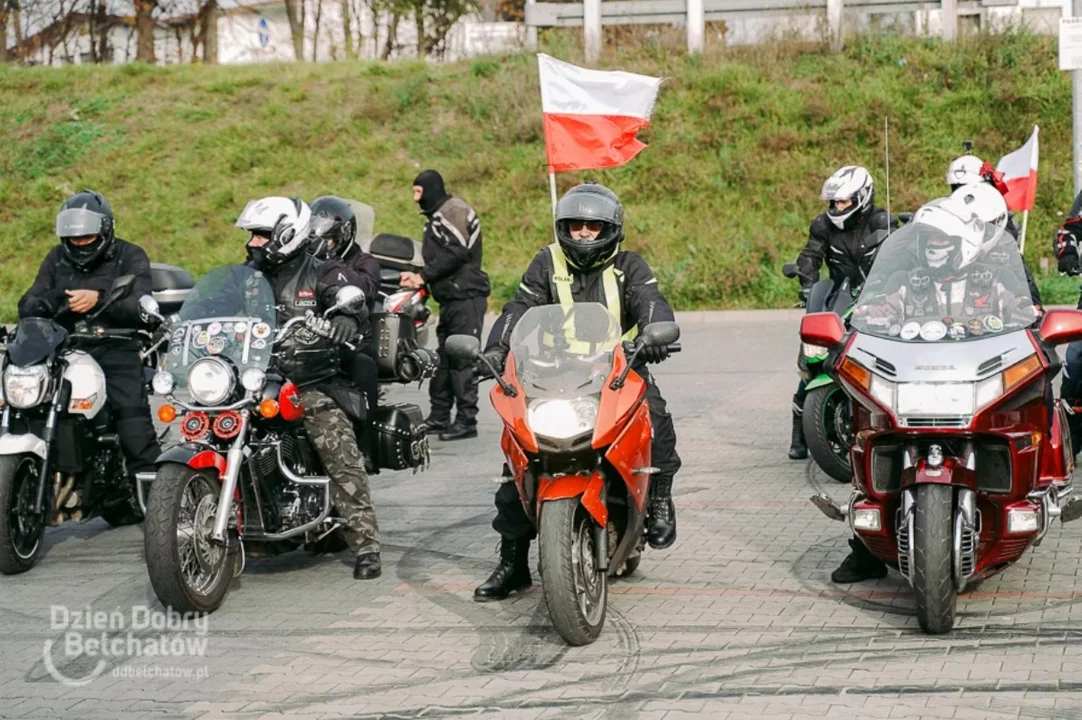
(857, 373)
(268, 408)
(1015, 374)
(167, 414)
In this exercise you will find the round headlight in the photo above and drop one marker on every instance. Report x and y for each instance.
(253, 379)
(562, 419)
(24, 387)
(210, 381)
(163, 383)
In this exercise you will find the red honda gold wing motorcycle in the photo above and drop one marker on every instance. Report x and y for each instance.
(961, 458)
(577, 439)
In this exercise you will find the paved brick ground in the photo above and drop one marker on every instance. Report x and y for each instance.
(738, 619)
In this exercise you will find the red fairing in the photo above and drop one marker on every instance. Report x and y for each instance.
(617, 405)
(512, 410)
(569, 486)
(289, 403)
(631, 452)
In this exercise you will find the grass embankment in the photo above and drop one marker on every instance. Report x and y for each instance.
(741, 143)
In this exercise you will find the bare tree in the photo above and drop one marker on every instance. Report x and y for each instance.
(144, 28)
(436, 18)
(295, 13)
(315, 34)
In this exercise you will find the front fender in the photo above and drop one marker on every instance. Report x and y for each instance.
(569, 486)
(197, 457)
(818, 382)
(22, 444)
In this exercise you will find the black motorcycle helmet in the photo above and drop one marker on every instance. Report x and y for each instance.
(334, 227)
(84, 214)
(590, 203)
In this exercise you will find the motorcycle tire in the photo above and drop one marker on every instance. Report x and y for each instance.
(21, 536)
(165, 564)
(933, 567)
(829, 452)
(575, 593)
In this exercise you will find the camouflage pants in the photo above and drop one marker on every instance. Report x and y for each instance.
(336, 442)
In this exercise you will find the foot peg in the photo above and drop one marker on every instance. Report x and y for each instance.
(1071, 511)
(828, 507)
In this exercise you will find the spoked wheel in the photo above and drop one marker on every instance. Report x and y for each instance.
(828, 430)
(189, 572)
(576, 592)
(21, 529)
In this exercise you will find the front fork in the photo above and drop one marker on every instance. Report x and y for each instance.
(233, 462)
(60, 402)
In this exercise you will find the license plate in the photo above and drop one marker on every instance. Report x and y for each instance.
(935, 399)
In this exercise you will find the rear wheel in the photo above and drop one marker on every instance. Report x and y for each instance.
(827, 430)
(933, 576)
(576, 593)
(189, 572)
(22, 530)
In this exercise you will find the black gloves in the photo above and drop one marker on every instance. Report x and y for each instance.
(343, 329)
(496, 358)
(654, 353)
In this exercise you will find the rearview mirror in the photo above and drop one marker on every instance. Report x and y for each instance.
(824, 329)
(148, 308)
(789, 270)
(466, 348)
(1061, 326)
(348, 297)
(661, 333)
(121, 286)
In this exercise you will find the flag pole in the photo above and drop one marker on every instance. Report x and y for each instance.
(552, 190)
(1022, 236)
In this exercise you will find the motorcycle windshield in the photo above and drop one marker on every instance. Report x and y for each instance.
(34, 340)
(564, 353)
(229, 314)
(944, 279)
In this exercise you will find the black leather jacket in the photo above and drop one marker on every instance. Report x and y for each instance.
(848, 253)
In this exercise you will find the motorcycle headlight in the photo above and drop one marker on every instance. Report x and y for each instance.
(253, 379)
(163, 383)
(562, 419)
(210, 381)
(24, 387)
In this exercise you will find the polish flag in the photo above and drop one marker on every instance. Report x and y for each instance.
(1020, 174)
(591, 116)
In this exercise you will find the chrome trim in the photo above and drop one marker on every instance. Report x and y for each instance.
(209, 408)
(233, 461)
(965, 538)
(172, 292)
(5, 420)
(299, 479)
(904, 534)
(300, 530)
(140, 479)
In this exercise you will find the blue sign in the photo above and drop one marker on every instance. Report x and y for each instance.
(264, 32)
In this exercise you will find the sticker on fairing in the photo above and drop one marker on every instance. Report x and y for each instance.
(933, 330)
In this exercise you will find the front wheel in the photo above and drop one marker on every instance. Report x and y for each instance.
(933, 569)
(827, 421)
(189, 572)
(22, 530)
(576, 593)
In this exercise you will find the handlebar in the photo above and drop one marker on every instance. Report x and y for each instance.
(629, 347)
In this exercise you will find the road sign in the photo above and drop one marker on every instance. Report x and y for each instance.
(1070, 43)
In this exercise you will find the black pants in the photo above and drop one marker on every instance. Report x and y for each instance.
(129, 406)
(454, 382)
(361, 369)
(799, 396)
(511, 521)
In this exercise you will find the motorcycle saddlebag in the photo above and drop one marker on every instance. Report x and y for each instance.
(399, 441)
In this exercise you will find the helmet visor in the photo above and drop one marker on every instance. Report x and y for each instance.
(78, 222)
(321, 224)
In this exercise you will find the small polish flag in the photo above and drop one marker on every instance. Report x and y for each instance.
(591, 116)
(1020, 174)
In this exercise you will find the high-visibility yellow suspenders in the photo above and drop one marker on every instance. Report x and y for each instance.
(561, 276)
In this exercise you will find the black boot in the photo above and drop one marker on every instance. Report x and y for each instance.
(368, 567)
(661, 521)
(459, 431)
(798, 449)
(511, 575)
(859, 565)
(435, 424)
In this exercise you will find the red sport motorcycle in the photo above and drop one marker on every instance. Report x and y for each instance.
(577, 438)
(961, 457)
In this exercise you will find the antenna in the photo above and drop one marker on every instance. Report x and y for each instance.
(886, 150)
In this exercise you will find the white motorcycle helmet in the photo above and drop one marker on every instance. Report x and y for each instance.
(851, 182)
(964, 170)
(989, 205)
(285, 222)
(951, 234)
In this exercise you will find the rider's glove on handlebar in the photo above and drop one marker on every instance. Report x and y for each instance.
(496, 358)
(342, 329)
(654, 353)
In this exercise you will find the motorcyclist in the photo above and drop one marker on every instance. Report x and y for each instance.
(303, 285)
(1066, 245)
(334, 237)
(988, 204)
(451, 248)
(843, 236)
(73, 281)
(585, 265)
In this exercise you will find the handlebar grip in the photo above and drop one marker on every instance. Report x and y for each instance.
(674, 348)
